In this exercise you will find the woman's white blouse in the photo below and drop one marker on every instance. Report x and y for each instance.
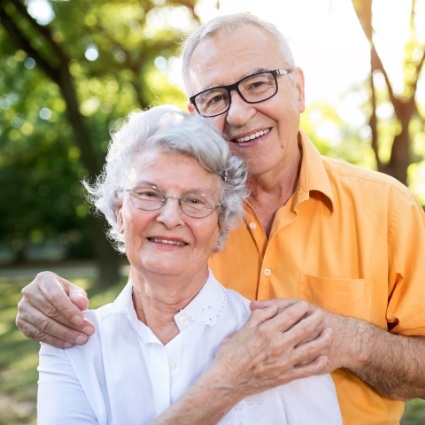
(125, 376)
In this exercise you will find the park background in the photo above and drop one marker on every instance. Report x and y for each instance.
(71, 70)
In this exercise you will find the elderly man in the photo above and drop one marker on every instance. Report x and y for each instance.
(349, 241)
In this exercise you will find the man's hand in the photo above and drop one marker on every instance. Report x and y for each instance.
(393, 365)
(343, 348)
(283, 340)
(51, 311)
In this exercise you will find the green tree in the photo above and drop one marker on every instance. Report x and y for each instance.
(392, 140)
(68, 75)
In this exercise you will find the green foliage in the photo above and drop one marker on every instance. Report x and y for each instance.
(19, 356)
(118, 55)
(342, 131)
(338, 137)
(414, 413)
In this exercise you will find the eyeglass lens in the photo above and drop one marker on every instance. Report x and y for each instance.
(150, 198)
(253, 89)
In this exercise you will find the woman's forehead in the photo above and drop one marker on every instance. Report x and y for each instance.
(170, 169)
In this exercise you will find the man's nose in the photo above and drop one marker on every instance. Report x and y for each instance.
(240, 112)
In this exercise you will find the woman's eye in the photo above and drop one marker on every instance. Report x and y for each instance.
(193, 201)
(147, 194)
(197, 202)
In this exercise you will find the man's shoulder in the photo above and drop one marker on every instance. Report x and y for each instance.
(342, 171)
(368, 187)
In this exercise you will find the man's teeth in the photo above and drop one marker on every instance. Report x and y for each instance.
(252, 136)
(167, 241)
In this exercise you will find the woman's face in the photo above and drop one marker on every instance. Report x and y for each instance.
(167, 241)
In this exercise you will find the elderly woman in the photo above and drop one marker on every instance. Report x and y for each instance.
(170, 191)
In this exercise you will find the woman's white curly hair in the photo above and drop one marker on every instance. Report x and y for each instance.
(171, 130)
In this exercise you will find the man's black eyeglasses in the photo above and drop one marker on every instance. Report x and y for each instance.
(255, 88)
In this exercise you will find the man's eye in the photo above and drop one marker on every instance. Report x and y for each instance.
(216, 99)
(258, 85)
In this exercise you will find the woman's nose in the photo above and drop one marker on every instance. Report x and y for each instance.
(171, 214)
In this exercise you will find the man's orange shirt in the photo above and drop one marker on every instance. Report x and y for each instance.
(349, 240)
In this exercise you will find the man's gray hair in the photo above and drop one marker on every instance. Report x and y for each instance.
(170, 130)
(227, 24)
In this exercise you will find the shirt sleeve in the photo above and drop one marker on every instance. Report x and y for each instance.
(406, 240)
(60, 398)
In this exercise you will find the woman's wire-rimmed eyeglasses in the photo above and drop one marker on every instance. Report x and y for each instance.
(193, 204)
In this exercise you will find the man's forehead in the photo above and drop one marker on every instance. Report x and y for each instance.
(220, 61)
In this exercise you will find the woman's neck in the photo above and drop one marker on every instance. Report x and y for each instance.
(157, 299)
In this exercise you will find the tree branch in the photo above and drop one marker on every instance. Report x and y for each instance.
(42, 31)
(17, 36)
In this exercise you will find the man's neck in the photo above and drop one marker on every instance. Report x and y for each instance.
(270, 191)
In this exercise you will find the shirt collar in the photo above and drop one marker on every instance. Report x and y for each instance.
(313, 177)
(204, 309)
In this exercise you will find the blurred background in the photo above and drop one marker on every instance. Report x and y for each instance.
(71, 70)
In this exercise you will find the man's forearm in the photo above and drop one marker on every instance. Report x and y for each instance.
(392, 364)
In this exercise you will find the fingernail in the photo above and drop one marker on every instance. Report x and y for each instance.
(81, 339)
(77, 320)
(88, 330)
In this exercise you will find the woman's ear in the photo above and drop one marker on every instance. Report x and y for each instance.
(217, 243)
(120, 222)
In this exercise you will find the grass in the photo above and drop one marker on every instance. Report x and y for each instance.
(19, 356)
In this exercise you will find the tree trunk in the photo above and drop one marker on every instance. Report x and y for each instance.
(400, 155)
(56, 69)
(107, 258)
(404, 106)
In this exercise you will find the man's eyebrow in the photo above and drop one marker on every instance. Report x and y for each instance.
(248, 74)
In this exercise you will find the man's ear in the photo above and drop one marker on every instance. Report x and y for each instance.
(191, 109)
(300, 86)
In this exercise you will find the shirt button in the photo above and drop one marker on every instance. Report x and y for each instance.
(267, 272)
(253, 225)
(172, 366)
(183, 320)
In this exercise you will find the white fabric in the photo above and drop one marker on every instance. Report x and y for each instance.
(125, 376)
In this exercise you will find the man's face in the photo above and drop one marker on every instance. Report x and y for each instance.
(263, 134)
